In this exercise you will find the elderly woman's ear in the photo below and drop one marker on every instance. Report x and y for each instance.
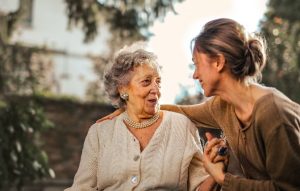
(123, 93)
(124, 96)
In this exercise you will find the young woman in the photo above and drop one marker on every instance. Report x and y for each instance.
(261, 125)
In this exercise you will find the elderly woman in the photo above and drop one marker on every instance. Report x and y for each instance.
(143, 148)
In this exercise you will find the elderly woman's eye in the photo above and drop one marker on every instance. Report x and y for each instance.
(146, 82)
(158, 82)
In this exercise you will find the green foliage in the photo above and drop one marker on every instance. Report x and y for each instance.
(131, 17)
(281, 27)
(21, 121)
(286, 9)
(49, 95)
(21, 159)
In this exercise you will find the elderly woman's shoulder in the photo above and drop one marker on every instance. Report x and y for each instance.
(180, 123)
(104, 125)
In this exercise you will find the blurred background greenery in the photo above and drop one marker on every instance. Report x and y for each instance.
(35, 122)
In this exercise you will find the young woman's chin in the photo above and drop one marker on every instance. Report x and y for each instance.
(208, 92)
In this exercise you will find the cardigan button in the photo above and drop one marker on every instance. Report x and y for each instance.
(134, 179)
(136, 157)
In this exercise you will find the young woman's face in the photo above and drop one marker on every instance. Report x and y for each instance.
(206, 72)
(144, 90)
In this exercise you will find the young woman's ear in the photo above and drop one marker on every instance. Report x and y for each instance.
(220, 62)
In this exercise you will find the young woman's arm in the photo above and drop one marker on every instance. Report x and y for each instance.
(111, 116)
(199, 114)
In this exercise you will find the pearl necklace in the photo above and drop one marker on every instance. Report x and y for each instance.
(143, 124)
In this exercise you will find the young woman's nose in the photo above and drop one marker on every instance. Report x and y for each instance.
(195, 76)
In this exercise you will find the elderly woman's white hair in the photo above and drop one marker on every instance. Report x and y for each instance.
(122, 67)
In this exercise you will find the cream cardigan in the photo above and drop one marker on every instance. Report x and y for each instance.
(111, 157)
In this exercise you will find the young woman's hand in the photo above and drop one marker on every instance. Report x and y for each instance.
(111, 116)
(217, 149)
(214, 163)
(207, 185)
(216, 170)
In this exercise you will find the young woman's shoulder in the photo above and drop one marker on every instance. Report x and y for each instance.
(280, 102)
(276, 108)
(287, 109)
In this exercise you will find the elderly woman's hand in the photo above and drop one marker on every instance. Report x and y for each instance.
(111, 116)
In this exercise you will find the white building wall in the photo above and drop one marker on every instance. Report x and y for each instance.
(49, 28)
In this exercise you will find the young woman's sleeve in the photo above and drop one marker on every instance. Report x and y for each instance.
(282, 163)
(199, 114)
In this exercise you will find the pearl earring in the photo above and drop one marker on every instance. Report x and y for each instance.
(124, 96)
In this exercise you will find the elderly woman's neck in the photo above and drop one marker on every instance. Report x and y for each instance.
(138, 116)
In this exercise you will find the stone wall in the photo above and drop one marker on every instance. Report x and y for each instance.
(64, 142)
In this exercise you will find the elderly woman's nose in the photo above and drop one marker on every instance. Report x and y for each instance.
(155, 86)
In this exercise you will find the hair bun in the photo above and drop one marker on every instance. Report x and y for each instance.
(244, 53)
(255, 56)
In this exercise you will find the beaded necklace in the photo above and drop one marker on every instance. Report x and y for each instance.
(142, 124)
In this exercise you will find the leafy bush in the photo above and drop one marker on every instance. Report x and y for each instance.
(21, 159)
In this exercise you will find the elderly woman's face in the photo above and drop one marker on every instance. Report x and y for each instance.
(144, 90)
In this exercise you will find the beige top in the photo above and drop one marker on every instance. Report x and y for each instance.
(111, 157)
(268, 149)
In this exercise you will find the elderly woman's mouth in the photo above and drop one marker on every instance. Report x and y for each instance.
(153, 101)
